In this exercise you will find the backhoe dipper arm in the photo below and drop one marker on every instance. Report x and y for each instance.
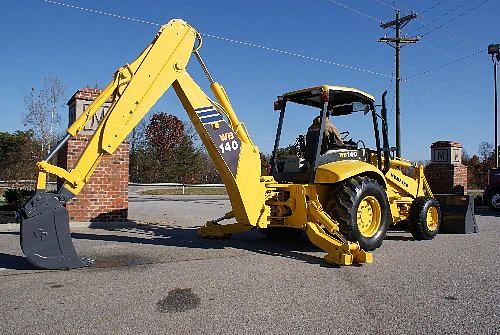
(134, 89)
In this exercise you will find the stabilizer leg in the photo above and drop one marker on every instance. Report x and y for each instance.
(339, 250)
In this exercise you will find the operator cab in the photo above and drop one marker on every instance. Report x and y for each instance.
(315, 148)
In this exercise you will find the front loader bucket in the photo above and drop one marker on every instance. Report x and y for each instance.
(457, 214)
(45, 235)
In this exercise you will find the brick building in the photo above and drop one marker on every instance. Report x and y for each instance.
(446, 174)
(105, 197)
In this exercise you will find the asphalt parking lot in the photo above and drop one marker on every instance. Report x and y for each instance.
(164, 279)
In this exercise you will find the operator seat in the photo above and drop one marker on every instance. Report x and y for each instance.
(331, 139)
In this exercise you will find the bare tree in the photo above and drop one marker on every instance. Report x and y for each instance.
(486, 151)
(43, 111)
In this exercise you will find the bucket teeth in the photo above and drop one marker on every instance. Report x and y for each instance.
(214, 230)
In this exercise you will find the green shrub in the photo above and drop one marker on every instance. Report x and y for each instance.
(16, 197)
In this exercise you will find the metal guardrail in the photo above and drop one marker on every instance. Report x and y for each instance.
(6, 184)
(52, 185)
(175, 185)
(32, 182)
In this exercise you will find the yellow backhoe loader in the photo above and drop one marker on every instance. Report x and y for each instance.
(343, 197)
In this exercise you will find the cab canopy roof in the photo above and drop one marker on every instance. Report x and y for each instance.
(338, 96)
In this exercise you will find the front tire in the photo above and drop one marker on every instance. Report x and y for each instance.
(425, 218)
(361, 207)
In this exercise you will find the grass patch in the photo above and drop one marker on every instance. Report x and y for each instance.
(187, 191)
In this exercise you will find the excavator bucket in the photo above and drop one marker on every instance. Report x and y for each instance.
(45, 235)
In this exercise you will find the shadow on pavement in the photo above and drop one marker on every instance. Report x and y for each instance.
(399, 238)
(252, 241)
(188, 238)
(485, 211)
(14, 262)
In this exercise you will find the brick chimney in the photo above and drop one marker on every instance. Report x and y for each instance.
(105, 197)
(446, 174)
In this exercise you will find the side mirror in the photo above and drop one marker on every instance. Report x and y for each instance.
(367, 110)
(277, 106)
(493, 49)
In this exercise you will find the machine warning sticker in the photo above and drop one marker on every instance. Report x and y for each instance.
(208, 115)
(222, 136)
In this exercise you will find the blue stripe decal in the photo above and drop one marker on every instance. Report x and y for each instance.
(207, 113)
(203, 108)
(211, 119)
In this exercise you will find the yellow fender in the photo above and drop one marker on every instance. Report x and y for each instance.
(335, 172)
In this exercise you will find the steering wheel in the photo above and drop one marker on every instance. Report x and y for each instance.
(344, 135)
(363, 143)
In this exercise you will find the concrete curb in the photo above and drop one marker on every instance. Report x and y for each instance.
(9, 227)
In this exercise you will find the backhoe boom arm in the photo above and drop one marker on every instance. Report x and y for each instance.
(136, 87)
(134, 90)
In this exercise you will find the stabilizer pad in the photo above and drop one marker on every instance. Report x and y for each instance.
(45, 235)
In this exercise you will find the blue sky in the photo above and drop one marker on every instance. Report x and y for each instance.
(450, 103)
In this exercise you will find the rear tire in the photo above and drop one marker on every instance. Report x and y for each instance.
(425, 218)
(361, 208)
(282, 233)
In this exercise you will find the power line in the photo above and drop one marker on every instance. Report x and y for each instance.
(423, 42)
(452, 36)
(356, 11)
(379, 20)
(393, 6)
(258, 46)
(295, 54)
(426, 22)
(463, 41)
(446, 64)
(445, 14)
(437, 49)
(254, 45)
(432, 47)
(101, 12)
(402, 6)
(456, 17)
(386, 4)
(432, 7)
(437, 91)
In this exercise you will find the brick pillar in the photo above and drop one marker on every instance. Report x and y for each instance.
(105, 196)
(446, 174)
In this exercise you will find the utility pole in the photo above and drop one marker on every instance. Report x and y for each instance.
(494, 51)
(397, 43)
